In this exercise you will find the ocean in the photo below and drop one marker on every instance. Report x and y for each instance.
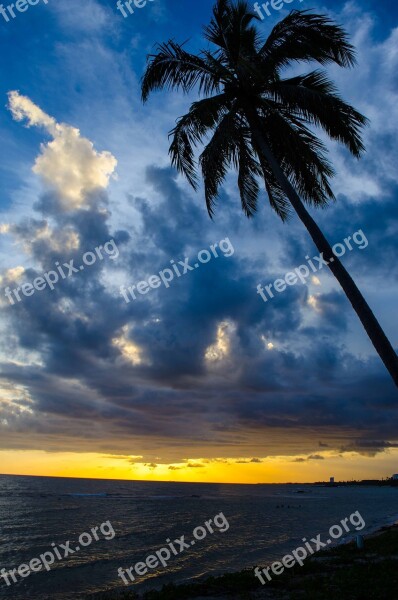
(265, 523)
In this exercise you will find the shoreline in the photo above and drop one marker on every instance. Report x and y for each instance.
(338, 562)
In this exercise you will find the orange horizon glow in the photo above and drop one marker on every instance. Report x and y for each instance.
(274, 470)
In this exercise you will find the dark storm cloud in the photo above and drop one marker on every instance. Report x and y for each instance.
(84, 388)
(368, 447)
(333, 307)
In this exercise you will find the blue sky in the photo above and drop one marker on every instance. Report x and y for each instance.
(297, 372)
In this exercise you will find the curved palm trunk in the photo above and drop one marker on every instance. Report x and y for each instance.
(361, 307)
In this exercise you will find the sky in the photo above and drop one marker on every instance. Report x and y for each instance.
(201, 380)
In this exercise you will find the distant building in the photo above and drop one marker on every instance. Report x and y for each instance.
(395, 476)
(331, 481)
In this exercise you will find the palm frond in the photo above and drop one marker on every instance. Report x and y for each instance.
(313, 97)
(203, 116)
(231, 30)
(219, 24)
(277, 198)
(173, 68)
(302, 157)
(249, 169)
(304, 36)
(218, 156)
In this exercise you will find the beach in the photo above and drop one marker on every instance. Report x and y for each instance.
(344, 572)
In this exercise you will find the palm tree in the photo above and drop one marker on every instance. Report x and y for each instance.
(259, 122)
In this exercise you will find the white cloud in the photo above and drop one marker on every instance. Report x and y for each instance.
(23, 108)
(89, 16)
(68, 165)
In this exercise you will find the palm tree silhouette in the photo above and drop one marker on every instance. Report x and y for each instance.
(259, 121)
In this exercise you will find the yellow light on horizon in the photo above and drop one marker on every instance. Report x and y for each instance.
(275, 469)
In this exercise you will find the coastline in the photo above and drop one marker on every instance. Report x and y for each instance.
(350, 573)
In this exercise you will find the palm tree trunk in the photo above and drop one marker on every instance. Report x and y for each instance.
(361, 307)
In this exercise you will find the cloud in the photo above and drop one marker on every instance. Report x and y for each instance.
(310, 457)
(132, 459)
(369, 447)
(23, 108)
(92, 392)
(89, 18)
(69, 165)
